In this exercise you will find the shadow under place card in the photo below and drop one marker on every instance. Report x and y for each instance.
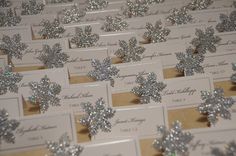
(138, 121)
(34, 131)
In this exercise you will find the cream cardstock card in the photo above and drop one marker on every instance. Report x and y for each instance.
(138, 121)
(92, 16)
(227, 43)
(34, 131)
(24, 31)
(3, 62)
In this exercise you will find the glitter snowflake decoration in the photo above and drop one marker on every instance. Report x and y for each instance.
(5, 3)
(63, 147)
(60, 1)
(174, 141)
(205, 41)
(179, 16)
(156, 33)
(148, 88)
(45, 93)
(129, 51)
(229, 151)
(9, 18)
(31, 7)
(103, 71)
(199, 4)
(72, 15)
(154, 1)
(134, 9)
(53, 57)
(233, 77)
(84, 38)
(97, 117)
(189, 63)
(51, 29)
(12, 46)
(228, 23)
(96, 5)
(114, 24)
(215, 104)
(7, 127)
(9, 80)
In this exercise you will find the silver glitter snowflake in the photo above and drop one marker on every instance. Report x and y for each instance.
(215, 104)
(53, 57)
(63, 147)
(96, 4)
(60, 1)
(156, 33)
(114, 24)
(31, 7)
(51, 29)
(84, 38)
(148, 88)
(174, 141)
(233, 77)
(45, 93)
(153, 1)
(103, 71)
(9, 80)
(5, 3)
(7, 127)
(97, 117)
(9, 18)
(229, 151)
(129, 51)
(135, 9)
(205, 41)
(72, 15)
(179, 16)
(190, 62)
(199, 4)
(12, 46)
(228, 23)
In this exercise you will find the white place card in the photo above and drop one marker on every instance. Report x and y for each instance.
(139, 121)
(56, 8)
(3, 62)
(13, 105)
(35, 20)
(206, 139)
(125, 79)
(24, 31)
(72, 97)
(57, 75)
(124, 147)
(34, 49)
(185, 91)
(99, 15)
(227, 43)
(34, 131)
(79, 62)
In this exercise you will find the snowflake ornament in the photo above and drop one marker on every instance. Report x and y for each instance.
(7, 127)
(63, 147)
(45, 93)
(149, 2)
(9, 80)
(135, 9)
(72, 15)
(228, 23)
(114, 24)
(189, 63)
(12, 46)
(51, 29)
(215, 104)
(199, 4)
(148, 88)
(205, 40)
(233, 77)
(31, 7)
(53, 57)
(97, 117)
(96, 5)
(103, 71)
(179, 16)
(84, 39)
(229, 151)
(5, 3)
(156, 33)
(129, 51)
(174, 141)
(9, 18)
(60, 1)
